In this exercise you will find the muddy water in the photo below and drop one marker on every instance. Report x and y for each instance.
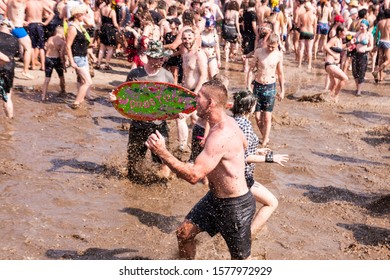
(64, 193)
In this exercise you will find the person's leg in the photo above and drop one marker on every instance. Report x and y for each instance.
(48, 72)
(322, 43)
(385, 60)
(342, 77)
(316, 43)
(102, 50)
(182, 133)
(44, 88)
(327, 83)
(296, 44)
(110, 51)
(227, 51)
(259, 116)
(62, 85)
(136, 150)
(266, 120)
(86, 83)
(186, 234)
(309, 45)
(42, 58)
(25, 42)
(301, 52)
(8, 106)
(213, 68)
(362, 63)
(34, 59)
(270, 203)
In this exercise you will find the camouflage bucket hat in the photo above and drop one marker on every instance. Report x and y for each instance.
(156, 50)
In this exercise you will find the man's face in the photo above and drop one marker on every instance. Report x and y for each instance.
(156, 62)
(202, 103)
(272, 46)
(188, 39)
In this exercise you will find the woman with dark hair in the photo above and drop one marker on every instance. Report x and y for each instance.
(231, 29)
(333, 50)
(243, 106)
(249, 33)
(324, 16)
(108, 29)
(77, 42)
(364, 42)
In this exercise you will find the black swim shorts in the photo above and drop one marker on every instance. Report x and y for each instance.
(232, 217)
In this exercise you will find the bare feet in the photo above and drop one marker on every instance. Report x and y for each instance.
(27, 75)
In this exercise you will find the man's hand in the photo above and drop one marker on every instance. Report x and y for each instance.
(182, 116)
(156, 143)
(280, 96)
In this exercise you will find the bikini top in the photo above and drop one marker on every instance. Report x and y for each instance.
(208, 44)
(336, 49)
(362, 42)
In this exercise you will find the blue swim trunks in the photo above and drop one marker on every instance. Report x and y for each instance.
(19, 32)
(323, 28)
(265, 96)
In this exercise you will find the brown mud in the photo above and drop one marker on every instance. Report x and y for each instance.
(64, 192)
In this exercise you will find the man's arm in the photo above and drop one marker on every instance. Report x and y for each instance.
(202, 66)
(192, 173)
(279, 72)
(47, 9)
(252, 65)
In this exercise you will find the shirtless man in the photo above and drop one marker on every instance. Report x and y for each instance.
(194, 75)
(268, 61)
(383, 45)
(307, 23)
(16, 14)
(299, 9)
(35, 10)
(55, 59)
(228, 207)
(262, 11)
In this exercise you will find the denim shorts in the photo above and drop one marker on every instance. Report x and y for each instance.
(81, 61)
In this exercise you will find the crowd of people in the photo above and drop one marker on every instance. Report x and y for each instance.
(183, 42)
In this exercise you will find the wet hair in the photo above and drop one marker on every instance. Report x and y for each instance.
(244, 101)
(340, 29)
(162, 5)
(172, 10)
(188, 17)
(217, 92)
(222, 78)
(362, 13)
(273, 38)
(233, 5)
(252, 3)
